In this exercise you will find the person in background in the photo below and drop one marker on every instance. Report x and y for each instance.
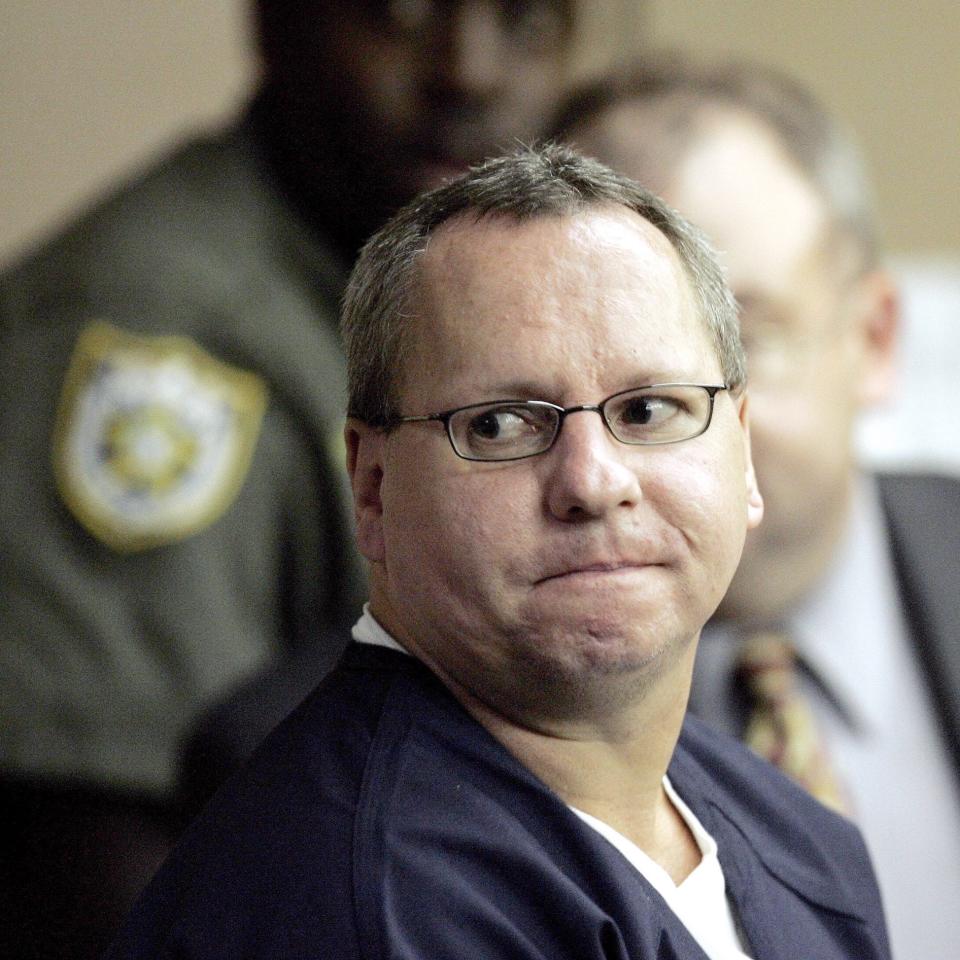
(173, 513)
(548, 445)
(836, 651)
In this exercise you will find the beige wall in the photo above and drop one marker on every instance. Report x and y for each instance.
(89, 90)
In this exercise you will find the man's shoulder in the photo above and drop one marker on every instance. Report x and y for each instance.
(326, 741)
(280, 834)
(809, 848)
(719, 770)
(200, 172)
(203, 224)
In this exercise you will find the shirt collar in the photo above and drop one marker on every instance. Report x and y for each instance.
(368, 630)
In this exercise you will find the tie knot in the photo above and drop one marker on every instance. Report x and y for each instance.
(766, 665)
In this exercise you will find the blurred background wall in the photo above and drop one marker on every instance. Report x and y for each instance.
(890, 69)
(89, 89)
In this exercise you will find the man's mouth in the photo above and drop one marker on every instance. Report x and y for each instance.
(597, 570)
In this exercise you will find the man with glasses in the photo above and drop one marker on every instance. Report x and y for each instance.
(549, 452)
(850, 583)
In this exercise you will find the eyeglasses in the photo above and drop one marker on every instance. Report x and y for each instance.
(514, 429)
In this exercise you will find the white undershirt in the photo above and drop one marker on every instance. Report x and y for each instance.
(699, 901)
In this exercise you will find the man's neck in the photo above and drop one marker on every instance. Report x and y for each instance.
(613, 767)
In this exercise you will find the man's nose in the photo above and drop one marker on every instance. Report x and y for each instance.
(471, 48)
(588, 470)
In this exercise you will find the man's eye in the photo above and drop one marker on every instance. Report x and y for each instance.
(661, 417)
(502, 424)
(648, 411)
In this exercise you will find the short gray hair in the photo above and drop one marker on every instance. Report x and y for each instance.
(677, 94)
(531, 182)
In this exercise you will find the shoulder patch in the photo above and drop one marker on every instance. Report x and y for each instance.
(153, 436)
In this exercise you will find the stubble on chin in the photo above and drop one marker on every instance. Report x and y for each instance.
(567, 676)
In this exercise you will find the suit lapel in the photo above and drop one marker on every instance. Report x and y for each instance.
(923, 513)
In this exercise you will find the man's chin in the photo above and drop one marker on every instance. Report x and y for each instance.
(595, 676)
(595, 647)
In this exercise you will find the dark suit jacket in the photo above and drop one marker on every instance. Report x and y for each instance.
(923, 513)
(380, 820)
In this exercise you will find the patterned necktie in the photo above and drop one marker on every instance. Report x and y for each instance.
(781, 727)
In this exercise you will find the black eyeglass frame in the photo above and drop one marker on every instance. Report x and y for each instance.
(444, 417)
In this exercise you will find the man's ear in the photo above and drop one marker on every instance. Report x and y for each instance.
(365, 447)
(754, 497)
(876, 307)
